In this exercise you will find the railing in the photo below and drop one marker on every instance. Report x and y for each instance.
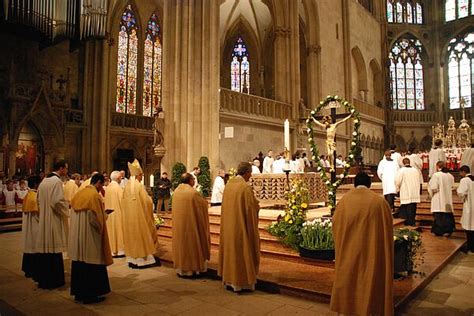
(415, 116)
(132, 121)
(369, 109)
(273, 187)
(457, 115)
(247, 104)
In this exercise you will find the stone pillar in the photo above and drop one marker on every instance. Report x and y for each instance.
(191, 81)
(314, 69)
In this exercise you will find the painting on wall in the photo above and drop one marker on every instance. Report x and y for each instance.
(29, 158)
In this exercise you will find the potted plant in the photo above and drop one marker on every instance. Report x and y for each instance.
(317, 239)
(408, 250)
(204, 178)
(158, 220)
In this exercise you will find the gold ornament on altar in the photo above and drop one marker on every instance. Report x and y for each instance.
(450, 139)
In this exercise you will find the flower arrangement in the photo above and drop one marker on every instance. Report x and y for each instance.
(411, 240)
(158, 220)
(317, 235)
(232, 173)
(288, 227)
(332, 187)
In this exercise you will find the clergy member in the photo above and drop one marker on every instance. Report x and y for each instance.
(218, 188)
(70, 189)
(239, 248)
(191, 241)
(89, 247)
(29, 227)
(139, 231)
(466, 193)
(113, 202)
(363, 238)
(467, 158)
(436, 154)
(440, 189)
(51, 240)
(408, 184)
(387, 171)
(88, 180)
(268, 162)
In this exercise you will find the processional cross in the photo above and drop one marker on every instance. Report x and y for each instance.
(330, 124)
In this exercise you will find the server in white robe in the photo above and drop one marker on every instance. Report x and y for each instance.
(218, 188)
(29, 228)
(436, 154)
(268, 163)
(395, 155)
(256, 167)
(10, 196)
(279, 164)
(417, 163)
(51, 241)
(440, 189)
(387, 172)
(408, 184)
(89, 246)
(466, 193)
(467, 158)
(113, 202)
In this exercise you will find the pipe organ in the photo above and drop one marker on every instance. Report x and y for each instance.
(82, 19)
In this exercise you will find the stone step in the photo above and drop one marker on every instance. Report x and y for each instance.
(10, 227)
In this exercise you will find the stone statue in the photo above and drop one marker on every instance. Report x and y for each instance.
(303, 108)
(158, 126)
(464, 134)
(438, 133)
(451, 133)
(330, 135)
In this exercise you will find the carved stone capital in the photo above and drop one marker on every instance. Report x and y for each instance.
(159, 151)
(313, 49)
(282, 32)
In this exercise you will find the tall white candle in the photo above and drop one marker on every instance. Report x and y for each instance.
(152, 181)
(287, 134)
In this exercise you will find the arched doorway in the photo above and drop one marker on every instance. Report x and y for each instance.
(30, 151)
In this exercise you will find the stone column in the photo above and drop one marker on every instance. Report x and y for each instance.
(191, 81)
(314, 69)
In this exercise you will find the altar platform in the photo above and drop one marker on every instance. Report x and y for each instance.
(282, 270)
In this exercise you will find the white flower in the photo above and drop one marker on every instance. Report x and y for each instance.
(312, 113)
(319, 169)
(347, 165)
(318, 220)
(405, 237)
(307, 121)
(352, 111)
(330, 193)
(341, 176)
(354, 133)
(394, 237)
(356, 121)
(310, 139)
(353, 143)
(314, 157)
(351, 156)
(330, 224)
(328, 182)
(308, 130)
(415, 238)
(336, 97)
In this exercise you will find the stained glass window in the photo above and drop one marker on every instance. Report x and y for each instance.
(240, 67)
(461, 70)
(458, 9)
(152, 68)
(404, 11)
(127, 63)
(406, 74)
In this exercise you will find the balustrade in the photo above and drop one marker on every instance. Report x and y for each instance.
(415, 116)
(132, 121)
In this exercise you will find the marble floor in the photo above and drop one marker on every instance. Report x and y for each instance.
(157, 291)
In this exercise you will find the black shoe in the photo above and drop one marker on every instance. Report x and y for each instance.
(157, 262)
(132, 266)
(92, 300)
(118, 256)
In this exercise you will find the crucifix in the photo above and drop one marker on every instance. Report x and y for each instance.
(330, 124)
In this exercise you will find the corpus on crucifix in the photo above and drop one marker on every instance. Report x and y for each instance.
(329, 123)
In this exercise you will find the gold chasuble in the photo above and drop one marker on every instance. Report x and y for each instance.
(139, 231)
(89, 200)
(113, 201)
(30, 202)
(239, 249)
(363, 236)
(191, 241)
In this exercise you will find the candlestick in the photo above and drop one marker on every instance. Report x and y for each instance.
(287, 134)
(152, 181)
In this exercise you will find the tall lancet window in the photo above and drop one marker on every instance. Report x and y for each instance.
(240, 68)
(404, 11)
(152, 68)
(461, 70)
(458, 9)
(406, 74)
(127, 63)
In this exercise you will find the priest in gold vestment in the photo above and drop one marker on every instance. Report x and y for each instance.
(113, 201)
(191, 241)
(363, 238)
(239, 249)
(139, 231)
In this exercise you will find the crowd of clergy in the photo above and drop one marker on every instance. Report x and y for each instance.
(92, 224)
(402, 176)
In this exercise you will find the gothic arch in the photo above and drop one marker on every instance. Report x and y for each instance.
(126, 143)
(400, 143)
(361, 69)
(241, 27)
(444, 50)
(377, 82)
(404, 34)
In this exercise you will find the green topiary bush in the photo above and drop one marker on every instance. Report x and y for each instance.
(178, 169)
(204, 177)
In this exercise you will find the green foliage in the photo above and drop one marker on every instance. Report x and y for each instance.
(317, 235)
(288, 228)
(412, 240)
(204, 178)
(178, 169)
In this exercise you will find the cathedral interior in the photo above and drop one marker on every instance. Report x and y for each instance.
(166, 81)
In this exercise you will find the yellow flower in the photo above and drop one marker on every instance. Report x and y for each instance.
(287, 217)
(290, 221)
(394, 238)
(294, 207)
(304, 205)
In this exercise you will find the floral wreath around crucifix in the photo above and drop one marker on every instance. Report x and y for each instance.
(332, 187)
